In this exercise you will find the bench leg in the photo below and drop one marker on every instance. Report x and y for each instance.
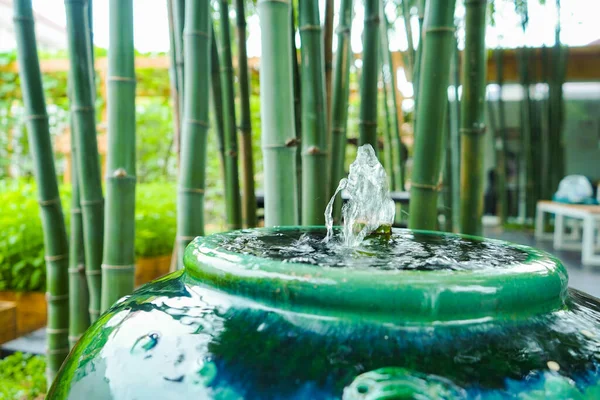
(588, 256)
(539, 226)
(559, 231)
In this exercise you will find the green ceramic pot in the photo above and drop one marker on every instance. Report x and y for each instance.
(445, 316)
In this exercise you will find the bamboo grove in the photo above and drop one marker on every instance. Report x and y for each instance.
(305, 95)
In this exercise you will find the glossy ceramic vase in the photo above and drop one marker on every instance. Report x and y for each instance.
(233, 326)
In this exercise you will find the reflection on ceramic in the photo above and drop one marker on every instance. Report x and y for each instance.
(277, 313)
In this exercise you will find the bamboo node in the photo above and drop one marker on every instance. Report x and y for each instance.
(75, 338)
(17, 18)
(434, 188)
(35, 116)
(342, 30)
(86, 203)
(82, 109)
(76, 270)
(275, 1)
(182, 238)
(375, 19)
(232, 153)
(291, 142)
(474, 131)
(126, 267)
(51, 202)
(75, 210)
(189, 32)
(56, 257)
(440, 29)
(57, 351)
(121, 173)
(124, 79)
(338, 130)
(92, 272)
(56, 298)
(368, 123)
(197, 122)
(51, 331)
(191, 190)
(314, 151)
(310, 28)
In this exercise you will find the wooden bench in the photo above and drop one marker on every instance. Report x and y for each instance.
(590, 223)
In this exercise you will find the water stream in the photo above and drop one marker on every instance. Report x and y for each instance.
(370, 204)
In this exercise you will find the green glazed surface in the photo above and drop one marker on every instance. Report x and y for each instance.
(231, 326)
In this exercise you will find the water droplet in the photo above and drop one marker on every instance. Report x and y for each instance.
(261, 327)
(145, 343)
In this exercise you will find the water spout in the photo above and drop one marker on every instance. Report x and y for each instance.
(370, 205)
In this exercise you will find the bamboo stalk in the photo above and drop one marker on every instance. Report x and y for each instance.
(472, 124)
(501, 158)
(178, 24)
(409, 38)
(368, 87)
(79, 317)
(190, 207)
(449, 182)
(53, 224)
(327, 46)
(277, 113)
(526, 134)
(217, 101)
(118, 265)
(388, 156)
(84, 123)
(233, 203)
(418, 56)
(175, 86)
(297, 108)
(455, 136)
(245, 128)
(339, 101)
(437, 52)
(398, 163)
(314, 137)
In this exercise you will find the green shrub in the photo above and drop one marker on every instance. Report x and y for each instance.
(22, 377)
(22, 266)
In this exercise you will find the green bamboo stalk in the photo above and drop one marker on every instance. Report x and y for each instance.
(314, 138)
(409, 38)
(398, 164)
(527, 197)
(178, 24)
(217, 102)
(53, 224)
(455, 135)
(449, 182)
(245, 128)
(368, 87)
(233, 204)
(339, 101)
(472, 124)
(501, 141)
(437, 52)
(277, 113)
(84, 123)
(118, 265)
(558, 64)
(327, 46)
(418, 57)
(388, 155)
(297, 108)
(175, 86)
(79, 317)
(192, 176)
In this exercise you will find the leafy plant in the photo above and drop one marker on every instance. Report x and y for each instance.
(22, 377)
(22, 266)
